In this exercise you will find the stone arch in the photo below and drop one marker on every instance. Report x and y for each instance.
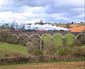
(22, 35)
(81, 38)
(12, 38)
(58, 39)
(46, 34)
(69, 39)
(78, 35)
(70, 34)
(4, 34)
(47, 45)
(36, 40)
(57, 34)
(15, 35)
(23, 39)
(34, 34)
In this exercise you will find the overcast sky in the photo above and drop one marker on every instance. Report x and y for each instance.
(23, 11)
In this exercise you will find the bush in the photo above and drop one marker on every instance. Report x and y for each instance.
(30, 47)
(12, 38)
(78, 51)
(83, 51)
(19, 59)
(69, 39)
(34, 58)
(6, 54)
(58, 39)
(63, 51)
(33, 50)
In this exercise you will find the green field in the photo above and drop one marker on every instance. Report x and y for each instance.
(7, 50)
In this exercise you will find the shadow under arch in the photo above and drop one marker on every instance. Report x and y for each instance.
(80, 38)
(79, 35)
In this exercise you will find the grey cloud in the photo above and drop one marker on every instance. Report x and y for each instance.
(50, 6)
(33, 3)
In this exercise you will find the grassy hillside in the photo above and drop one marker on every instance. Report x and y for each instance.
(8, 50)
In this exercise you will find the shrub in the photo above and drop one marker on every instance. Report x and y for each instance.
(83, 51)
(12, 38)
(63, 51)
(75, 51)
(30, 47)
(78, 51)
(6, 54)
(34, 58)
(58, 39)
(19, 59)
(33, 50)
(69, 39)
